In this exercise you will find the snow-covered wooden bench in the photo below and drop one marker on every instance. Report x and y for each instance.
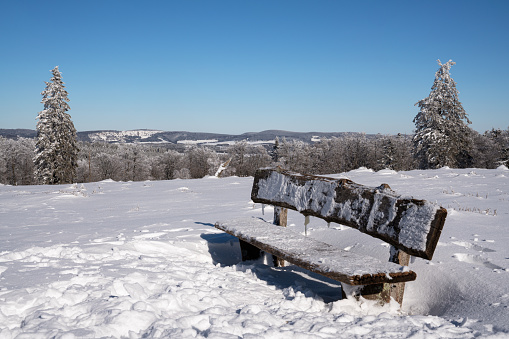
(410, 226)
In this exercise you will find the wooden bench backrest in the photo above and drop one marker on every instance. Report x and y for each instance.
(411, 225)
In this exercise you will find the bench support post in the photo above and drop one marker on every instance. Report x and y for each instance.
(379, 292)
(384, 292)
(399, 257)
(280, 216)
(280, 219)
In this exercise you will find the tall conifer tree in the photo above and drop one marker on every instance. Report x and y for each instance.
(442, 136)
(56, 157)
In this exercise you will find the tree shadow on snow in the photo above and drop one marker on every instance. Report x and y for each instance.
(225, 251)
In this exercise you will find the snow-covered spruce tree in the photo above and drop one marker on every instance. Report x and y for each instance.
(56, 149)
(442, 136)
(388, 157)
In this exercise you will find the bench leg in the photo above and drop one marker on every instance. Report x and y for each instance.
(248, 251)
(280, 219)
(278, 262)
(397, 291)
(378, 292)
(384, 292)
(399, 257)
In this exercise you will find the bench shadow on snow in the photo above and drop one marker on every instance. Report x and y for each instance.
(225, 251)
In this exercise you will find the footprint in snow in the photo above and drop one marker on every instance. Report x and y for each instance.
(149, 235)
(476, 259)
(473, 246)
(178, 230)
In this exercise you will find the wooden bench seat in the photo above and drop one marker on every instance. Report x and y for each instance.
(410, 226)
(314, 255)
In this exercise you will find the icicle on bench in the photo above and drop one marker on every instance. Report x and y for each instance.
(410, 226)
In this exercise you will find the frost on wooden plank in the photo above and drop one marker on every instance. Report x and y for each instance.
(409, 224)
(314, 255)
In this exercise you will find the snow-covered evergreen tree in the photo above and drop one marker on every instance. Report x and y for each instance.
(274, 153)
(498, 151)
(442, 136)
(56, 157)
(388, 157)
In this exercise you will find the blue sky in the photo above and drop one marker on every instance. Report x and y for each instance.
(245, 66)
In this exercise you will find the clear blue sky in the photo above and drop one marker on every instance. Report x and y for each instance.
(244, 65)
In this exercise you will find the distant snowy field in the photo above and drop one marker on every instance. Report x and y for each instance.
(142, 259)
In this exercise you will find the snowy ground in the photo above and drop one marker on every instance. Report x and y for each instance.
(142, 259)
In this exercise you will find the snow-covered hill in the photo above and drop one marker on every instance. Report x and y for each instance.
(188, 138)
(122, 136)
(142, 259)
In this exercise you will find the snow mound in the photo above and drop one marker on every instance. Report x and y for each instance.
(363, 169)
(387, 172)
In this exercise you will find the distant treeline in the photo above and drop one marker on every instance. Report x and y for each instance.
(135, 162)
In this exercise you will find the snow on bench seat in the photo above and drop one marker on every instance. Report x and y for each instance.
(314, 255)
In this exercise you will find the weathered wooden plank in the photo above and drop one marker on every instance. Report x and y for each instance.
(314, 255)
(406, 223)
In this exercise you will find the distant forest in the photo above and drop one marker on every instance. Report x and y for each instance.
(136, 162)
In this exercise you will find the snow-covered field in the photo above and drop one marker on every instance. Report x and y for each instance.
(142, 259)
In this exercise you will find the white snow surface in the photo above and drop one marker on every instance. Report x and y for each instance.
(142, 259)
